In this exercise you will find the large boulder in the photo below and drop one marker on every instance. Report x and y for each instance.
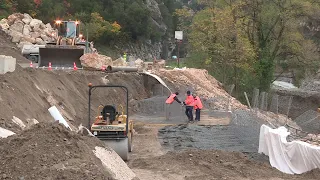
(40, 41)
(26, 18)
(22, 43)
(35, 23)
(26, 21)
(95, 61)
(4, 24)
(48, 31)
(26, 30)
(16, 36)
(28, 39)
(119, 62)
(17, 26)
(48, 26)
(45, 37)
(13, 17)
(42, 26)
(35, 34)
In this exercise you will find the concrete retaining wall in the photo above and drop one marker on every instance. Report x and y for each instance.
(7, 64)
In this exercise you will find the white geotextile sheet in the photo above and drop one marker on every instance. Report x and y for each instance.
(294, 157)
(5, 133)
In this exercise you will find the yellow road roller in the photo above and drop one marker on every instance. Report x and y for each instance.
(112, 124)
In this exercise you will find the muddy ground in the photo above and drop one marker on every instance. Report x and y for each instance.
(52, 153)
(9, 49)
(150, 160)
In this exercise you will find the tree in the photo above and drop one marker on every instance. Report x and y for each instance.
(240, 38)
(97, 27)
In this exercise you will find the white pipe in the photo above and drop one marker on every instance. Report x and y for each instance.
(57, 116)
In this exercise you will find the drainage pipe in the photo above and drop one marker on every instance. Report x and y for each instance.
(121, 68)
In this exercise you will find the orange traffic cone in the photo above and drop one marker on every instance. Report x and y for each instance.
(74, 66)
(49, 68)
(31, 65)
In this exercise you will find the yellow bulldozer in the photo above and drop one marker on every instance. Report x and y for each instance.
(112, 127)
(66, 48)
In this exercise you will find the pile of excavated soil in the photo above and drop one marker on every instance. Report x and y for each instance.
(9, 49)
(201, 83)
(50, 151)
(213, 164)
(28, 93)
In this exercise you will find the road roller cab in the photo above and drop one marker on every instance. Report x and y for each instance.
(112, 127)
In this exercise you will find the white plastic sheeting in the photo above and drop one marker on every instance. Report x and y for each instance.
(4, 133)
(57, 116)
(158, 78)
(285, 85)
(294, 157)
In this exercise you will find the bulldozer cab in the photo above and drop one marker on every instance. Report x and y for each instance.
(67, 29)
(110, 126)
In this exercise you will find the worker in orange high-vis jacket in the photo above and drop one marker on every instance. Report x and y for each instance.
(197, 104)
(173, 97)
(189, 106)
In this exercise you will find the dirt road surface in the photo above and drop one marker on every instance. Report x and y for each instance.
(150, 160)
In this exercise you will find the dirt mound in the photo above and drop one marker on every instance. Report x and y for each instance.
(28, 93)
(212, 164)
(201, 83)
(50, 151)
(9, 49)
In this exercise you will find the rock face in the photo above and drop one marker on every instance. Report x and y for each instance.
(95, 61)
(25, 30)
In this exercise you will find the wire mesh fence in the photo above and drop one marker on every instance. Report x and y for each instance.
(309, 121)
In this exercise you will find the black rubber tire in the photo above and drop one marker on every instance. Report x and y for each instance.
(130, 142)
(33, 59)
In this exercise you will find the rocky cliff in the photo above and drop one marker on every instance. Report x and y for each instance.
(147, 50)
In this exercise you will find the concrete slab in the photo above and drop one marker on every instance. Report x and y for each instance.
(7, 64)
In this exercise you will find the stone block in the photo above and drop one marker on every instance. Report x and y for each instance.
(7, 64)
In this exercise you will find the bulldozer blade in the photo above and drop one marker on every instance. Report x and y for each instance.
(60, 57)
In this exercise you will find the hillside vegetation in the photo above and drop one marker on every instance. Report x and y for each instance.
(106, 20)
(243, 42)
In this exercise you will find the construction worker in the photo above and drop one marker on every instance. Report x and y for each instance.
(189, 106)
(197, 104)
(125, 56)
(173, 97)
